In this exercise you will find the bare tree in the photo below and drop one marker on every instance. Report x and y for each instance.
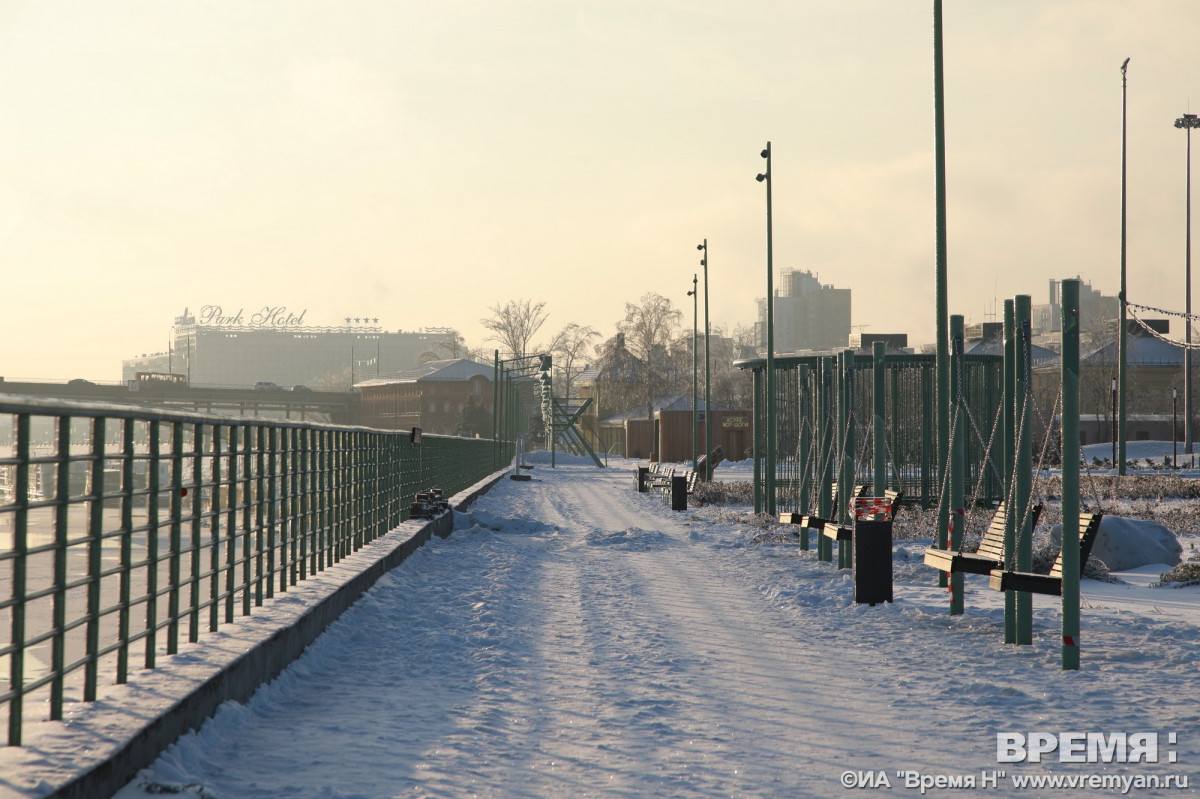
(515, 324)
(649, 331)
(451, 345)
(569, 348)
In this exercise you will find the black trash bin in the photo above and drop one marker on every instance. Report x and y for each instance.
(872, 562)
(679, 492)
(643, 475)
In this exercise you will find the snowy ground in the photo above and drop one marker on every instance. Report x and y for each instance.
(575, 638)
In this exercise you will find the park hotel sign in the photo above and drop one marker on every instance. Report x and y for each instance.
(269, 316)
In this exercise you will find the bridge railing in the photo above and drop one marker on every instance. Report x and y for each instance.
(124, 531)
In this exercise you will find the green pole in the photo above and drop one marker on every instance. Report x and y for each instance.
(805, 414)
(771, 420)
(760, 413)
(1070, 475)
(940, 289)
(1121, 368)
(1024, 470)
(825, 436)
(879, 431)
(846, 456)
(708, 442)
(958, 460)
(928, 470)
(1009, 470)
(495, 413)
(695, 365)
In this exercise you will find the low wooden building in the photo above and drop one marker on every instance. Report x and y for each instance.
(452, 397)
(668, 436)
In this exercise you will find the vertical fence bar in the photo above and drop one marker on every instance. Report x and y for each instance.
(16, 661)
(126, 553)
(273, 503)
(304, 454)
(260, 511)
(95, 561)
(251, 521)
(231, 528)
(214, 539)
(62, 500)
(174, 568)
(196, 561)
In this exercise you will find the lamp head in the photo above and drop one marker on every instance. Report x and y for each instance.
(690, 293)
(699, 246)
(1188, 121)
(704, 262)
(765, 153)
(761, 177)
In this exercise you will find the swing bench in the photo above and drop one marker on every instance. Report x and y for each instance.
(990, 554)
(804, 520)
(837, 532)
(1002, 579)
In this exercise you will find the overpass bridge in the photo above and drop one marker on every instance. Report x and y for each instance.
(336, 407)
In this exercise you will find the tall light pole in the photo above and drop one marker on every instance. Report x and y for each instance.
(941, 299)
(1187, 122)
(703, 247)
(1121, 372)
(695, 295)
(770, 464)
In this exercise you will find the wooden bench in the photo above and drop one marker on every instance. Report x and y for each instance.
(1005, 580)
(838, 532)
(811, 519)
(659, 476)
(990, 554)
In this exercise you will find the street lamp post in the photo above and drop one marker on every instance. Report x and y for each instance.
(695, 295)
(770, 462)
(1187, 122)
(1122, 409)
(703, 247)
(1174, 428)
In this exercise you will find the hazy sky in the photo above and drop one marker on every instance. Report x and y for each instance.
(421, 161)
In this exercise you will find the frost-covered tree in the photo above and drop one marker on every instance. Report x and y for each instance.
(514, 325)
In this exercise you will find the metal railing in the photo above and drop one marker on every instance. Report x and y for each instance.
(124, 531)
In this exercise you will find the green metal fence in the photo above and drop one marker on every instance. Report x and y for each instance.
(124, 531)
(815, 439)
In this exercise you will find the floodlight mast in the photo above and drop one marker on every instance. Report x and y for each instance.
(1187, 122)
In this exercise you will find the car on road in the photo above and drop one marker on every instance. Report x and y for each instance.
(267, 385)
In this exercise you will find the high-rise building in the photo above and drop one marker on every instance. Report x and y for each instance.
(273, 345)
(808, 315)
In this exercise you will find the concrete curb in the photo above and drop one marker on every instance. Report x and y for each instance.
(255, 666)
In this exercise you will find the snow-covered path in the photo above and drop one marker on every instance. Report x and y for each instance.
(575, 638)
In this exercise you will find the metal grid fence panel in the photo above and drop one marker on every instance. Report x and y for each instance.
(124, 531)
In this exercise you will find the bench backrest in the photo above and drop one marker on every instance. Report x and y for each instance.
(992, 544)
(1089, 526)
(895, 497)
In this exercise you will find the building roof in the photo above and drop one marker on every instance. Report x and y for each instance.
(995, 346)
(451, 370)
(1139, 351)
(681, 402)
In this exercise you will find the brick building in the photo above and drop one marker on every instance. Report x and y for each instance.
(452, 397)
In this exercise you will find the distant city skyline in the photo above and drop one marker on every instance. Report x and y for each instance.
(418, 163)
